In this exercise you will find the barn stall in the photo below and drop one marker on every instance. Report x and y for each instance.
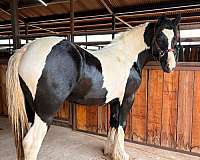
(166, 110)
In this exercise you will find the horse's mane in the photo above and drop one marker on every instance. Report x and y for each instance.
(122, 35)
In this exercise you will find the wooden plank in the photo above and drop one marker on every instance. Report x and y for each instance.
(128, 131)
(3, 105)
(91, 118)
(1, 102)
(155, 89)
(81, 117)
(102, 119)
(139, 111)
(169, 109)
(63, 113)
(185, 103)
(195, 147)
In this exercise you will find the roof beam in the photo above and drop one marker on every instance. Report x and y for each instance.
(38, 4)
(22, 21)
(162, 6)
(9, 14)
(110, 9)
(108, 6)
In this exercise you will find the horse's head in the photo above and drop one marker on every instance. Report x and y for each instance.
(164, 41)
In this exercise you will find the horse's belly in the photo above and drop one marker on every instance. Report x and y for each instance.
(89, 91)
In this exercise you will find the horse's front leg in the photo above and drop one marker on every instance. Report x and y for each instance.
(114, 123)
(119, 150)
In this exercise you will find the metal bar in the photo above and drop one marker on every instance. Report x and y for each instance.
(44, 29)
(93, 43)
(190, 39)
(121, 20)
(72, 20)
(26, 32)
(15, 23)
(113, 25)
(95, 32)
(86, 40)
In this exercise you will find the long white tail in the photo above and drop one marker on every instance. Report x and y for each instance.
(15, 100)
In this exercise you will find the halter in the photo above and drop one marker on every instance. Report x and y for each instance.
(161, 52)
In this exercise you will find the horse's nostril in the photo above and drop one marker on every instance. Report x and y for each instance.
(167, 66)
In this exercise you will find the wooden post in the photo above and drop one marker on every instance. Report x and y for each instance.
(26, 32)
(73, 109)
(113, 26)
(72, 20)
(15, 23)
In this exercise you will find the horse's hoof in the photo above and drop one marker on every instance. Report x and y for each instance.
(120, 156)
(106, 149)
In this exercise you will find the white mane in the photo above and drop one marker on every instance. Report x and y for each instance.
(123, 36)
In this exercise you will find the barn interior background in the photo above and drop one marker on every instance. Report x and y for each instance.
(166, 112)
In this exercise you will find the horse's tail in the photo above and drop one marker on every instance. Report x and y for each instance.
(15, 100)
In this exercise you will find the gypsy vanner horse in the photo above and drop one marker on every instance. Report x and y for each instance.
(44, 73)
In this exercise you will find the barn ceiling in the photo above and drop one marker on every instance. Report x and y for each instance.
(92, 15)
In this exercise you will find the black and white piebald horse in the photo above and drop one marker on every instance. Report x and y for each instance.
(44, 73)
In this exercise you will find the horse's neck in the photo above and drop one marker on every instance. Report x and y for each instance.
(128, 45)
(144, 57)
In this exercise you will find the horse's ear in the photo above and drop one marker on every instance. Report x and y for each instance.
(161, 19)
(177, 20)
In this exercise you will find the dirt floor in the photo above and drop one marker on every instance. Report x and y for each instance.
(63, 143)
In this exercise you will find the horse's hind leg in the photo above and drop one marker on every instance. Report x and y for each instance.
(114, 123)
(46, 103)
(33, 140)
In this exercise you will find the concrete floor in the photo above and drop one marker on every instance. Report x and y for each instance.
(61, 143)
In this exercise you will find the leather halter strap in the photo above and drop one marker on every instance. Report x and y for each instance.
(161, 52)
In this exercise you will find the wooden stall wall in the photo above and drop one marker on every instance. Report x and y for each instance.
(166, 111)
(3, 105)
(190, 54)
(62, 114)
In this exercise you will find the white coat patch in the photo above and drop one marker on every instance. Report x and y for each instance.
(117, 58)
(171, 58)
(33, 62)
(171, 61)
(170, 34)
(33, 140)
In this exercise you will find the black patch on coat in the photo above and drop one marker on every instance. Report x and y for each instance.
(89, 88)
(70, 72)
(28, 100)
(59, 76)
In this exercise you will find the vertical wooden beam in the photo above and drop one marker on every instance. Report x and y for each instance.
(15, 23)
(73, 109)
(26, 32)
(72, 20)
(113, 26)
